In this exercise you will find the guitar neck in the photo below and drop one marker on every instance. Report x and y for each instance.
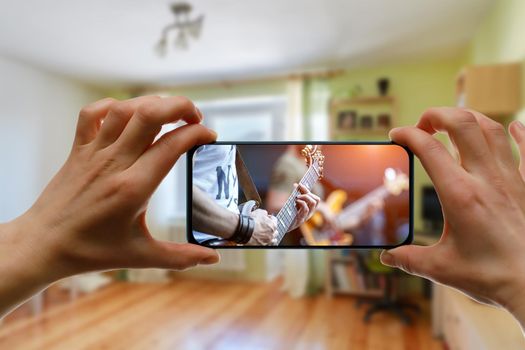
(359, 207)
(288, 212)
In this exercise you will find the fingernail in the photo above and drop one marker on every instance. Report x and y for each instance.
(391, 132)
(517, 129)
(387, 258)
(210, 260)
(199, 113)
(213, 132)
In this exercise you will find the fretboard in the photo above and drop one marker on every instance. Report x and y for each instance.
(288, 212)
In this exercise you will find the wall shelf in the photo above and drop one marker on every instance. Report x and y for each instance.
(362, 117)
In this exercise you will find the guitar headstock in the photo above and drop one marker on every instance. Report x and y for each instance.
(395, 181)
(314, 158)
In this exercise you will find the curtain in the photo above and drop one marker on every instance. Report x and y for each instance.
(307, 114)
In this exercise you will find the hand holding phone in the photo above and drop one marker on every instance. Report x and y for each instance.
(482, 193)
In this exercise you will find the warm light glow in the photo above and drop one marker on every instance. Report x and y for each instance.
(390, 174)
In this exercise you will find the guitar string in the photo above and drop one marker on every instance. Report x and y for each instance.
(291, 200)
(288, 205)
(308, 180)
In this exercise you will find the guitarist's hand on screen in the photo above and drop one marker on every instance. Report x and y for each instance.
(483, 199)
(92, 215)
(306, 203)
(265, 231)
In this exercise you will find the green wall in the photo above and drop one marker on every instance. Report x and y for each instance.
(500, 36)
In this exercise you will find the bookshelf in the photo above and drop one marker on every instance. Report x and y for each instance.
(345, 276)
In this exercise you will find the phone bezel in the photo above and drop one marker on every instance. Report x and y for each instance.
(189, 182)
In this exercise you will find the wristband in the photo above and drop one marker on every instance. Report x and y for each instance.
(244, 230)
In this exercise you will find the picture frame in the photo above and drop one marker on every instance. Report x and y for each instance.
(384, 121)
(362, 118)
(366, 122)
(347, 120)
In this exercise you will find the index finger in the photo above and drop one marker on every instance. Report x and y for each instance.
(148, 120)
(302, 189)
(465, 132)
(434, 157)
(89, 120)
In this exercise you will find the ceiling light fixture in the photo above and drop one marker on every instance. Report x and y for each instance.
(183, 28)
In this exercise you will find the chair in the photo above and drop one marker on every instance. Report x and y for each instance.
(390, 301)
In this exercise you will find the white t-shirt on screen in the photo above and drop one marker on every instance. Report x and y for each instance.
(215, 174)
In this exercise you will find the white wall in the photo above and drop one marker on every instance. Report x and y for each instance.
(38, 113)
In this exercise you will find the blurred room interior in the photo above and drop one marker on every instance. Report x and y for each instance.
(272, 70)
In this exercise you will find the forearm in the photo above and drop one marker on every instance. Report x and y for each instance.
(209, 217)
(26, 267)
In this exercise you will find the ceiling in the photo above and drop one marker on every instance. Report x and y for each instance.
(111, 41)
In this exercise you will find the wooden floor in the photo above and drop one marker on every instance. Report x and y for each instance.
(193, 314)
(51, 298)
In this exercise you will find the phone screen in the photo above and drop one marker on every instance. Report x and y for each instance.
(297, 195)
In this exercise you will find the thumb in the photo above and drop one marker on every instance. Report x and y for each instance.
(517, 131)
(412, 259)
(179, 256)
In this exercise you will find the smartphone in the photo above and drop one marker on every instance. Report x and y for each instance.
(318, 194)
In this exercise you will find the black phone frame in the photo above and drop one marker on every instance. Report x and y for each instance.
(189, 195)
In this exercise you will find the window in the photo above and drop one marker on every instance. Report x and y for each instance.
(246, 119)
